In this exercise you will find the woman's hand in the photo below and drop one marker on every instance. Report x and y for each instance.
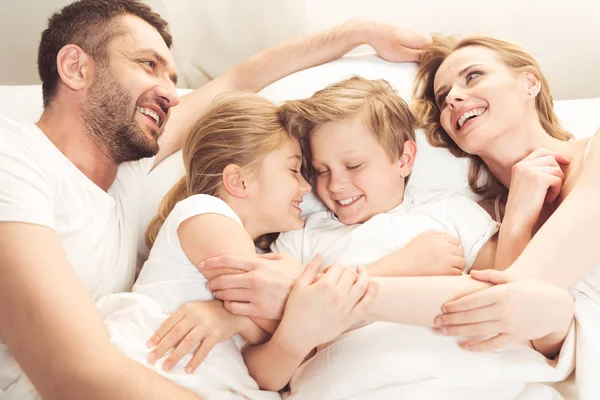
(262, 288)
(205, 323)
(320, 309)
(515, 310)
(535, 181)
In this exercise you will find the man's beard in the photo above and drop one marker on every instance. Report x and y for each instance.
(107, 117)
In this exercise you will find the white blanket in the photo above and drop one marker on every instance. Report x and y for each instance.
(395, 361)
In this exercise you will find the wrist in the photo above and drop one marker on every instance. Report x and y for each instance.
(289, 345)
(359, 31)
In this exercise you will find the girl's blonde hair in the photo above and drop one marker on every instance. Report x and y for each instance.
(238, 128)
(427, 112)
(385, 114)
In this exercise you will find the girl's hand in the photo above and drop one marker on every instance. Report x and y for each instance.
(515, 310)
(320, 309)
(205, 323)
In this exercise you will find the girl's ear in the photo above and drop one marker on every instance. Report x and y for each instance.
(233, 181)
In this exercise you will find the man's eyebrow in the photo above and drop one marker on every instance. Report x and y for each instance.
(161, 60)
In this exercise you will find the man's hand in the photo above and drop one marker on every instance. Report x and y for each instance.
(394, 44)
(263, 287)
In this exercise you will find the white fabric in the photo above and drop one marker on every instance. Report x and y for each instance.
(98, 230)
(167, 281)
(392, 361)
(362, 244)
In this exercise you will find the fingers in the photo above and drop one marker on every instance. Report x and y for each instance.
(492, 276)
(195, 336)
(360, 287)
(172, 339)
(459, 262)
(347, 279)
(165, 328)
(555, 186)
(333, 273)
(494, 343)
(480, 299)
(472, 330)
(235, 262)
(310, 272)
(200, 354)
(540, 153)
(414, 40)
(271, 256)
(361, 308)
(243, 295)
(230, 281)
(244, 309)
(477, 315)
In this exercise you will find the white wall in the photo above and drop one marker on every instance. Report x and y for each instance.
(211, 35)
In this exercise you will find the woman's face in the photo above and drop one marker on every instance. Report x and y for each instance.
(279, 190)
(480, 98)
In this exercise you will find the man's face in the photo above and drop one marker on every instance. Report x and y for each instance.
(129, 101)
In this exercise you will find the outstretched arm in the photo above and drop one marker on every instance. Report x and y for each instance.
(54, 330)
(256, 72)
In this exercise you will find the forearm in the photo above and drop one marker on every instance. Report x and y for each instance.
(563, 251)
(512, 240)
(418, 300)
(113, 375)
(277, 61)
(398, 263)
(273, 363)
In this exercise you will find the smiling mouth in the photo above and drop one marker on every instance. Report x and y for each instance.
(150, 114)
(348, 202)
(468, 116)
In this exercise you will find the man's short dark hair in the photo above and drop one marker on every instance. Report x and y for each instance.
(89, 24)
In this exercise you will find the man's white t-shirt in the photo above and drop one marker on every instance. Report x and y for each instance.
(98, 230)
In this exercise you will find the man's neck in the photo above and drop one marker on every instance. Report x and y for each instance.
(66, 131)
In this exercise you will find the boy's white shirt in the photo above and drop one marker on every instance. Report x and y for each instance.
(362, 244)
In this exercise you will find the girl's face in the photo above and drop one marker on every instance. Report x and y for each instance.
(355, 177)
(480, 98)
(280, 188)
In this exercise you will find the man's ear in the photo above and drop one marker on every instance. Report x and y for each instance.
(408, 157)
(233, 181)
(74, 67)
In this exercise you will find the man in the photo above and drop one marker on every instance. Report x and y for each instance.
(70, 185)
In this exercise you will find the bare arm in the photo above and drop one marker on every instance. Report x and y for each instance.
(41, 297)
(564, 250)
(257, 72)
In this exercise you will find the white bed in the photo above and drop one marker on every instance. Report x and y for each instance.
(435, 168)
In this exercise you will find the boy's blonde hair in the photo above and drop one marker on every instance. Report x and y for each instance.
(238, 128)
(384, 112)
(428, 113)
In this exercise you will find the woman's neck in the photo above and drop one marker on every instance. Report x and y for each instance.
(508, 149)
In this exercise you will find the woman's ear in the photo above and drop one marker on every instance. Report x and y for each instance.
(74, 67)
(233, 181)
(533, 84)
(407, 158)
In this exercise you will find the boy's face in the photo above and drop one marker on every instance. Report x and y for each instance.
(355, 177)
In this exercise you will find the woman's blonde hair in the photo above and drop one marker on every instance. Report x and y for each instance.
(238, 128)
(428, 113)
(384, 112)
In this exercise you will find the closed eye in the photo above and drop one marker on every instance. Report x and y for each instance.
(295, 171)
(322, 172)
(353, 167)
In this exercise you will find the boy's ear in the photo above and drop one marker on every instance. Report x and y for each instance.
(408, 157)
(233, 181)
